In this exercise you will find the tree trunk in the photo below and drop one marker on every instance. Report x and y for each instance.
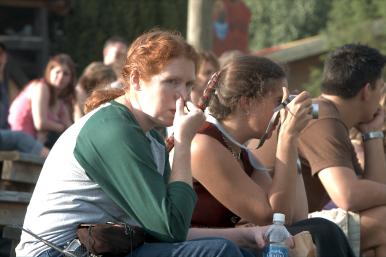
(199, 28)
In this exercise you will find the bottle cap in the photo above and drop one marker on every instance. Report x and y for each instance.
(280, 217)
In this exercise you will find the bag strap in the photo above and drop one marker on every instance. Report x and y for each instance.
(64, 251)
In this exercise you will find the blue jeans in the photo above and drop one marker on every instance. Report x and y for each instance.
(19, 141)
(51, 253)
(205, 247)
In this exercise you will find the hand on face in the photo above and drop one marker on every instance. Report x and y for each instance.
(376, 124)
(297, 113)
(186, 122)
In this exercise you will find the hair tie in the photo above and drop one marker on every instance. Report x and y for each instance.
(210, 88)
(203, 103)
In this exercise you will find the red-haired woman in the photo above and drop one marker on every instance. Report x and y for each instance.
(43, 108)
(112, 165)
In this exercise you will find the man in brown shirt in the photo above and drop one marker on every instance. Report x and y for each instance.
(351, 89)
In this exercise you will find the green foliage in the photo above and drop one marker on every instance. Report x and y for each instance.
(315, 80)
(275, 21)
(91, 22)
(357, 21)
(352, 21)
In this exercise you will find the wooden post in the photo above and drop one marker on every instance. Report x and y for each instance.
(199, 28)
(42, 27)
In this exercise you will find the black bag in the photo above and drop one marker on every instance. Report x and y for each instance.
(110, 239)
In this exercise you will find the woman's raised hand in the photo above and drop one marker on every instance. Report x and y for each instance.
(296, 115)
(186, 121)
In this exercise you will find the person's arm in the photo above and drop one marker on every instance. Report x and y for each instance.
(267, 156)
(185, 127)
(116, 154)
(350, 192)
(221, 174)
(375, 164)
(65, 115)
(374, 155)
(40, 104)
(283, 191)
(225, 179)
(327, 148)
(248, 237)
(285, 183)
(80, 99)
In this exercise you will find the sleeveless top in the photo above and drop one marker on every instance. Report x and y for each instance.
(209, 212)
(20, 112)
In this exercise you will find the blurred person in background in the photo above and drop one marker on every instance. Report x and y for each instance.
(95, 76)
(114, 54)
(207, 65)
(44, 108)
(12, 80)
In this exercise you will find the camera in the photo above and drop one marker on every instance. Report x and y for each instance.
(314, 107)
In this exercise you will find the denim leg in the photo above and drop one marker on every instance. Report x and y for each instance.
(20, 141)
(205, 247)
(51, 253)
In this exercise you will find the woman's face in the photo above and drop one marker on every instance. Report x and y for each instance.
(204, 73)
(157, 97)
(60, 76)
(263, 109)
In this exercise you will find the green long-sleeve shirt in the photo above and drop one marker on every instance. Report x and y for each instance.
(116, 153)
(106, 168)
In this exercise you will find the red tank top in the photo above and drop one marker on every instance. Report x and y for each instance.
(208, 211)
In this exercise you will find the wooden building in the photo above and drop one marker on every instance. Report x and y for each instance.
(24, 31)
(298, 57)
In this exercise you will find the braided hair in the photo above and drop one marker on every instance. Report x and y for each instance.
(244, 76)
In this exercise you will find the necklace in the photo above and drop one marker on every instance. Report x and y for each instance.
(235, 154)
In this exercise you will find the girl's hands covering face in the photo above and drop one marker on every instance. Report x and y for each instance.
(296, 115)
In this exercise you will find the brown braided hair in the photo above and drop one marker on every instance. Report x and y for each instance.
(245, 76)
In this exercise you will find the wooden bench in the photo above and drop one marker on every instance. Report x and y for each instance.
(19, 173)
(13, 234)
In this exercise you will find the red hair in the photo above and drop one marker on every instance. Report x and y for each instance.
(147, 56)
(149, 53)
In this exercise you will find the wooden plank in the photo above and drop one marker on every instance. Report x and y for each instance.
(11, 233)
(18, 156)
(24, 3)
(12, 213)
(20, 171)
(15, 197)
(16, 186)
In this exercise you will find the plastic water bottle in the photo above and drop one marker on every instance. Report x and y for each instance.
(276, 235)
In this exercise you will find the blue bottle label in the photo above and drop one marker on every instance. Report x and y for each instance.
(275, 251)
